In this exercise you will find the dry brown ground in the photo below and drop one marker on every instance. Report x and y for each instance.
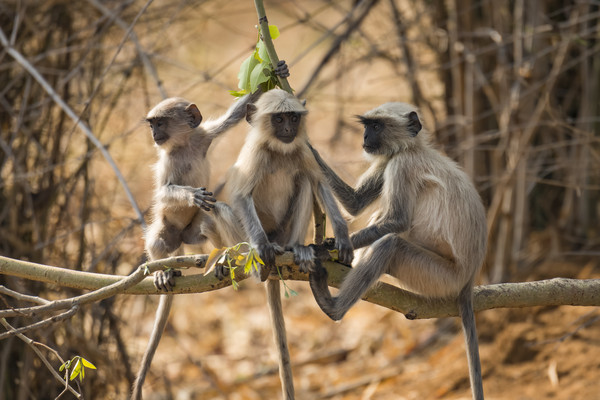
(219, 346)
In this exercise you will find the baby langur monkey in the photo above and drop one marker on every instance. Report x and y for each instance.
(429, 230)
(272, 187)
(180, 203)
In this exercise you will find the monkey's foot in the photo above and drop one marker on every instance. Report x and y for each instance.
(221, 271)
(165, 280)
(320, 290)
(304, 257)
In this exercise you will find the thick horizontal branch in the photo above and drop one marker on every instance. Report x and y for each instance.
(552, 292)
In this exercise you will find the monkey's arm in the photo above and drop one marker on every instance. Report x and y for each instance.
(255, 231)
(340, 229)
(234, 114)
(368, 235)
(185, 196)
(397, 219)
(354, 201)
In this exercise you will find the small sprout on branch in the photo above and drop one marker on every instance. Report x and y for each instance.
(78, 370)
(240, 255)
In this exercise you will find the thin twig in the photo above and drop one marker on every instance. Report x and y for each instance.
(41, 324)
(21, 296)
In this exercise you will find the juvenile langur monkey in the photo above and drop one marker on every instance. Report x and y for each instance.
(429, 230)
(272, 186)
(180, 202)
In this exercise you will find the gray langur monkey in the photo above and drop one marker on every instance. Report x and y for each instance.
(180, 203)
(429, 230)
(272, 188)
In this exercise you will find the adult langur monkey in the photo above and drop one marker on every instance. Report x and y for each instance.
(181, 203)
(272, 186)
(429, 230)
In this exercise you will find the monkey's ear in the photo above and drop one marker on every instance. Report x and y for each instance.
(195, 116)
(250, 111)
(413, 125)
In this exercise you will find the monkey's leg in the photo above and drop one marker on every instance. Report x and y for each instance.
(375, 261)
(279, 335)
(419, 269)
(192, 234)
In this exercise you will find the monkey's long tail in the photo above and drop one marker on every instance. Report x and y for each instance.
(465, 308)
(279, 334)
(160, 321)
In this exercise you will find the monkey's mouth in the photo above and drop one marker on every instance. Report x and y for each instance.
(160, 139)
(287, 139)
(369, 149)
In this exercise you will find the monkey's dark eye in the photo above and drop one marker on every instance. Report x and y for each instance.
(159, 123)
(295, 118)
(376, 126)
(279, 119)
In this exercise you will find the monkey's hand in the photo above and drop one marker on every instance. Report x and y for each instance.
(204, 199)
(345, 250)
(304, 257)
(282, 70)
(165, 280)
(267, 252)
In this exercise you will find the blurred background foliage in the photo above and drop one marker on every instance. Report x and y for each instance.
(510, 89)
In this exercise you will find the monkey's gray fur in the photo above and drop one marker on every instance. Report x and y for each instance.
(272, 186)
(179, 198)
(429, 229)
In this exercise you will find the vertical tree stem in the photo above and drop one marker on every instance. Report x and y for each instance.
(266, 38)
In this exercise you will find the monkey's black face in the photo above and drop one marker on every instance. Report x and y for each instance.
(159, 127)
(285, 125)
(372, 136)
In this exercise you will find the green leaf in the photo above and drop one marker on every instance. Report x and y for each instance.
(274, 31)
(214, 257)
(257, 258)
(238, 93)
(88, 364)
(258, 76)
(245, 70)
(261, 50)
(76, 370)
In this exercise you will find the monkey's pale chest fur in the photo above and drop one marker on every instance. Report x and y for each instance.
(272, 196)
(179, 167)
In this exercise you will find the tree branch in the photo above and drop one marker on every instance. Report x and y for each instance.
(552, 292)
